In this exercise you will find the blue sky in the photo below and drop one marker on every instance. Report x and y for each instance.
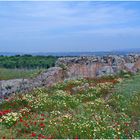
(69, 26)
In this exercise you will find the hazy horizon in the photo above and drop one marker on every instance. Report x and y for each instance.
(33, 27)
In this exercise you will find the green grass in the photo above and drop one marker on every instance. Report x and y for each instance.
(126, 98)
(129, 86)
(6, 74)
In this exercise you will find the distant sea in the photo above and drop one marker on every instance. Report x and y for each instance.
(59, 54)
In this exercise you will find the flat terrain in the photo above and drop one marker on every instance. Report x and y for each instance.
(84, 108)
(6, 74)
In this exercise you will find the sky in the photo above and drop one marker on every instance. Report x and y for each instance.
(69, 26)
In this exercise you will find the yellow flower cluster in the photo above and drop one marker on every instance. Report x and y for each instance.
(24, 110)
(10, 118)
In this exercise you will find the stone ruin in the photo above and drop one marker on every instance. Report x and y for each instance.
(93, 66)
(73, 67)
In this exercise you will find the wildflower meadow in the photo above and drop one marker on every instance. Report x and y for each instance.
(75, 109)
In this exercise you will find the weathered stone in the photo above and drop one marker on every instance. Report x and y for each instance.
(11, 86)
(137, 64)
(48, 78)
(105, 70)
(129, 67)
(98, 66)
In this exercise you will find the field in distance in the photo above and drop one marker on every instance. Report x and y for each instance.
(7, 74)
(24, 66)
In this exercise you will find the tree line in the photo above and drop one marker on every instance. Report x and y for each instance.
(27, 61)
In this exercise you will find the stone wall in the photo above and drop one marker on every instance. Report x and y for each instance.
(48, 78)
(72, 67)
(98, 66)
(137, 64)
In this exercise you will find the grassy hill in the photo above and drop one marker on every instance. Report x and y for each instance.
(84, 108)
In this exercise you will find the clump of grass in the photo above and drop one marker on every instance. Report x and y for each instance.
(129, 86)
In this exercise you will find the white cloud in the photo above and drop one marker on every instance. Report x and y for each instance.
(65, 12)
(70, 17)
(60, 14)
